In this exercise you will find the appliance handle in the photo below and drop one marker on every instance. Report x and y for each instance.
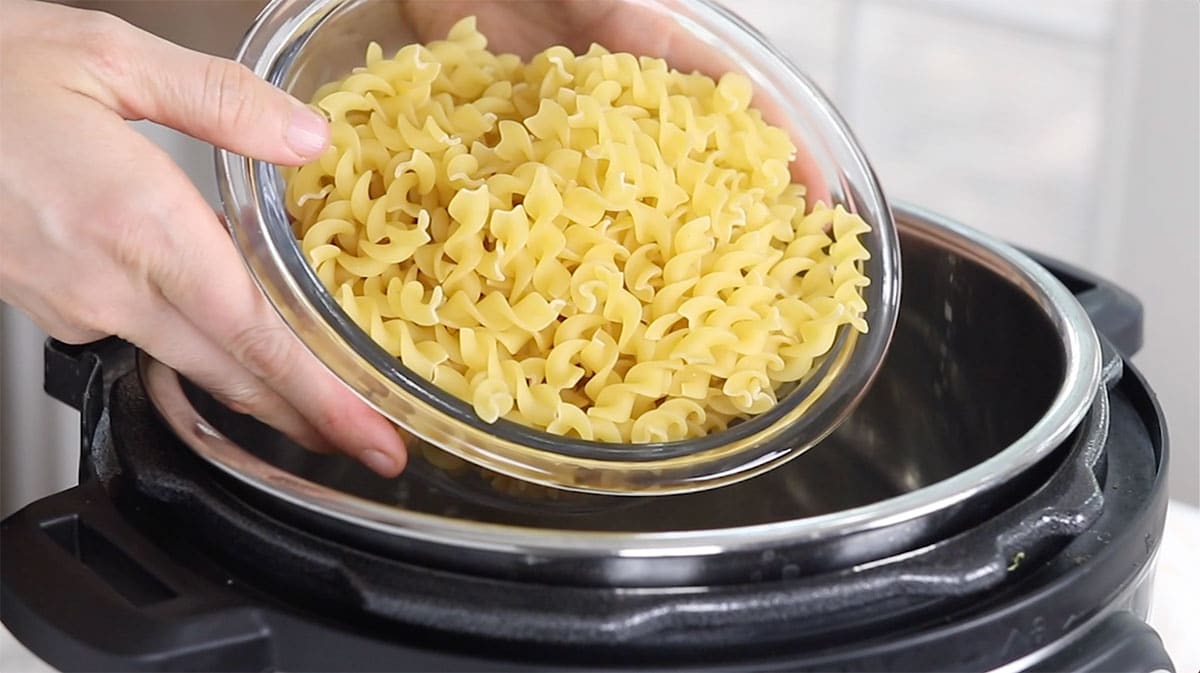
(73, 374)
(1116, 314)
(1121, 642)
(117, 602)
(1005, 545)
(78, 376)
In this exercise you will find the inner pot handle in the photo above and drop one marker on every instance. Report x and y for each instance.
(1116, 314)
(84, 590)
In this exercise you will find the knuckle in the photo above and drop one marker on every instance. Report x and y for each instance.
(228, 91)
(135, 237)
(93, 308)
(73, 319)
(128, 237)
(242, 399)
(267, 351)
(103, 39)
(92, 317)
(332, 420)
(77, 337)
(135, 231)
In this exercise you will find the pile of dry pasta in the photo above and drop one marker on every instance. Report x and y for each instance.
(595, 245)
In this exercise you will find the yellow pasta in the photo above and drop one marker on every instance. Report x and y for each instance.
(591, 244)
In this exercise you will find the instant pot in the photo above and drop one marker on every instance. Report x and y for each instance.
(994, 503)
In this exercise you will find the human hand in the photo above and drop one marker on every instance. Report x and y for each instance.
(100, 233)
(525, 27)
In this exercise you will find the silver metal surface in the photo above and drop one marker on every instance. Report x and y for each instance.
(992, 368)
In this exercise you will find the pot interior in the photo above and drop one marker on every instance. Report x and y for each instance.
(973, 364)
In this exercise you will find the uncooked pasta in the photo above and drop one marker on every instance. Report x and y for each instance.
(591, 244)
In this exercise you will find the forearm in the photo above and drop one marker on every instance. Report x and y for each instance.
(211, 26)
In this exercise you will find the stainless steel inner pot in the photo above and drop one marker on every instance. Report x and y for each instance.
(993, 366)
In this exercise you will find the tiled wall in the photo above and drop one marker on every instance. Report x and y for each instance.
(1067, 127)
(993, 116)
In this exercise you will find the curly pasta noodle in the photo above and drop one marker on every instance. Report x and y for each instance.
(595, 245)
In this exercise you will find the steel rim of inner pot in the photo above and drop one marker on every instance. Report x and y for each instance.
(1074, 398)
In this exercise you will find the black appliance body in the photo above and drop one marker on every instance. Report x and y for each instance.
(159, 561)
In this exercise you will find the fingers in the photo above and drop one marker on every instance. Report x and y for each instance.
(210, 98)
(175, 342)
(222, 102)
(259, 367)
(209, 285)
(527, 27)
(103, 234)
(654, 34)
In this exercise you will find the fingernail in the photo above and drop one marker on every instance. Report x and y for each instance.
(307, 133)
(379, 462)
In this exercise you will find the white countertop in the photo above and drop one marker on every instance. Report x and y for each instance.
(1174, 613)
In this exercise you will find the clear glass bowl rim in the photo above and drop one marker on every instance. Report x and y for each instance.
(262, 231)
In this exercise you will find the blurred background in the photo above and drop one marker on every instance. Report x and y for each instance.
(1066, 127)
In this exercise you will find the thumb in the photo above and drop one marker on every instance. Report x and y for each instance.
(216, 100)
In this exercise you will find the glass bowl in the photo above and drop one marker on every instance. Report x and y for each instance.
(299, 45)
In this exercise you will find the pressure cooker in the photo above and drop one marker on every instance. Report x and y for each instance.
(995, 503)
